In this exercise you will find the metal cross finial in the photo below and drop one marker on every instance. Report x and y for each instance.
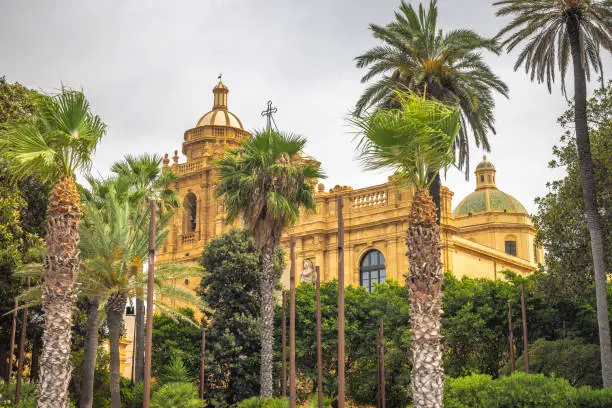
(219, 77)
(270, 110)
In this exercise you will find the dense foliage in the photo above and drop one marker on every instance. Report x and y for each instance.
(475, 306)
(560, 219)
(22, 215)
(521, 390)
(230, 287)
(175, 338)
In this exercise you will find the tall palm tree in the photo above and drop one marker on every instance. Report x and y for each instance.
(448, 67)
(145, 178)
(416, 140)
(114, 243)
(266, 182)
(59, 144)
(552, 30)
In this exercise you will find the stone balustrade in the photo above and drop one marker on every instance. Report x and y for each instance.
(369, 199)
(190, 167)
(188, 238)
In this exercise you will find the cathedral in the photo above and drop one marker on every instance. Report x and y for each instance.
(489, 231)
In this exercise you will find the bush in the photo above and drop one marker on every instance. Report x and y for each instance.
(313, 402)
(257, 402)
(28, 395)
(586, 397)
(521, 390)
(572, 359)
(131, 394)
(177, 395)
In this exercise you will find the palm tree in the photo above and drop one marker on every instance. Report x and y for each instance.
(145, 178)
(114, 243)
(552, 30)
(60, 143)
(266, 182)
(448, 67)
(416, 141)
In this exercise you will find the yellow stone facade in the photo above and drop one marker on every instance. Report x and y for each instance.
(488, 232)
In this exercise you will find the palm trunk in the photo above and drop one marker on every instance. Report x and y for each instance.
(425, 292)
(61, 266)
(267, 318)
(90, 350)
(434, 191)
(590, 205)
(139, 338)
(114, 317)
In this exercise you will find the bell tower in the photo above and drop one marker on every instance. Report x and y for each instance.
(201, 217)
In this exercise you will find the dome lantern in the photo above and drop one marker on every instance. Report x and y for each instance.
(220, 96)
(485, 174)
(220, 115)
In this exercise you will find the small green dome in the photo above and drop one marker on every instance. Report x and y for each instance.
(489, 199)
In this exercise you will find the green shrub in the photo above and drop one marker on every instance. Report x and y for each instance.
(257, 402)
(131, 395)
(577, 362)
(28, 395)
(587, 397)
(313, 402)
(177, 395)
(516, 391)
(175, 371)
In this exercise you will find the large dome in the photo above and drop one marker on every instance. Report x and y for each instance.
(219, 115)
(487, 197)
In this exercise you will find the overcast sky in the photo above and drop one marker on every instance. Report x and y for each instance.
(148, 68)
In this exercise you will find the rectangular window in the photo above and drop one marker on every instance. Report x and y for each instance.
(511, 248)
(535, 253)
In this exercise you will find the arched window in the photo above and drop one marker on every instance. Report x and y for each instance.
(189, 209)
(372, 269)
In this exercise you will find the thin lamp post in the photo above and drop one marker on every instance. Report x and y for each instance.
(525, 341)
(284, 345)
(150, 282)
(341, 357)
(378, 393)
(203, 362)
(510, 337)
(22, 339)
(382, 365)
(292, 380)
(319, 341)
(12, 349)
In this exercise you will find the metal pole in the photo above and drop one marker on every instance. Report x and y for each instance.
(382, 365)
(378, 393)
(203, 362)
(292, 380)
(341, 357)
(319, 341)
(12, 349)
(149, 325)
(284, 346)
(525, 341)
(22, 339)
(510, 337)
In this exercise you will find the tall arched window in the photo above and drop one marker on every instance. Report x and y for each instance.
(189, 209)
(372, 269)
